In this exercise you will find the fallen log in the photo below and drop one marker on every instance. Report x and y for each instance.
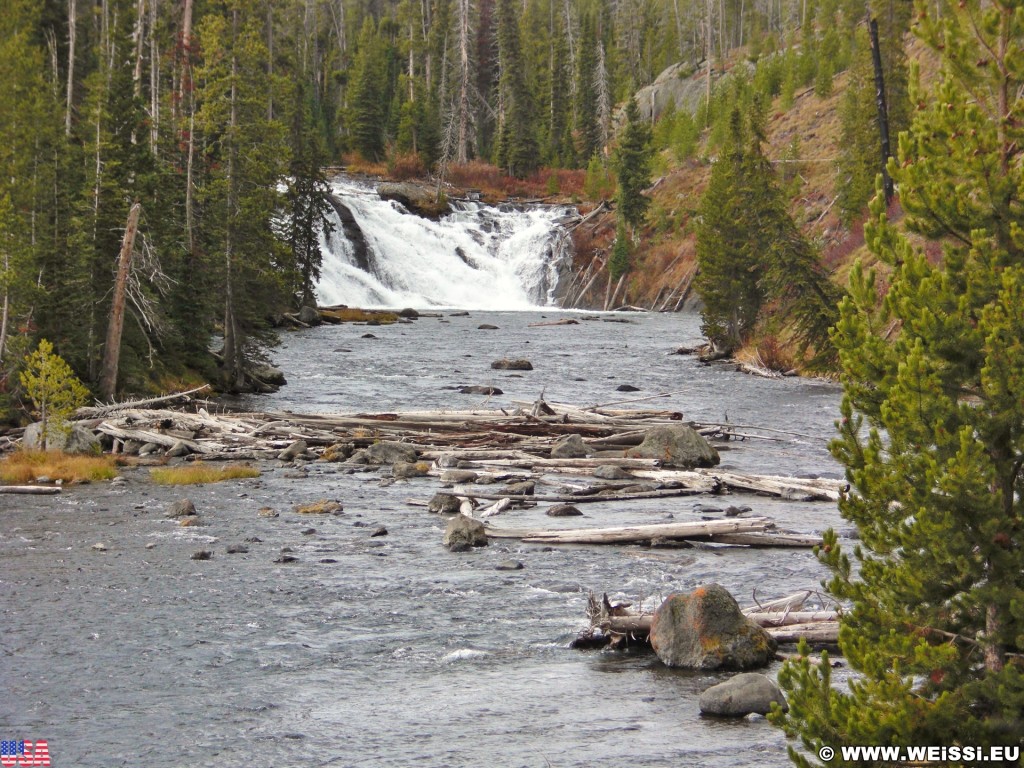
(579, 499)
(632, 534)
(30, 490)
(815, 632)
(99, 411)
(794, 540)
(795, 622)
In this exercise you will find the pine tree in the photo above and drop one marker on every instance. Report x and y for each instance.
(932, 430)
(750, 251)
(367, 111)
(517, 151)
(307, 197)
(28, 132)
(729, 281)
(618, 264)
(248, 157)
(632, 163)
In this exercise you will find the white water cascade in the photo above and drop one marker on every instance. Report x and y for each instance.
(477, 257)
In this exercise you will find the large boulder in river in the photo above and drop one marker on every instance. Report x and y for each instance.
(385, 452)
(743, 694)
(309, 315)
(679, 445)
(569, 447)
(463, 533)
(706, 630)
(76, 439)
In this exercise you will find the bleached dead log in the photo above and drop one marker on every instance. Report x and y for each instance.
(791, 540)
(150, 436)
(30, 490)
(578, 498)
(640, 623)
(633, 534)
(816, 632)
(502, 505)
(100, 411)
(785, 604)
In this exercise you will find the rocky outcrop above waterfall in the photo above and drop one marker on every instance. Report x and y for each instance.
(421, 199)
(352, 232)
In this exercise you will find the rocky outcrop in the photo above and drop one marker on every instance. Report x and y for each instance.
(420, 199)
(677, 446)
(706, 630)
(352, 232)
(746, 693)
(463, 533)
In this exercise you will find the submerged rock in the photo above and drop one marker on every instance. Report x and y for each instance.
(321, 507)
(458, 476)
(480, 390)
(676, 446)
(512, 365)
(445, 504)
(611, 472)
(181, 508)
(463, 533)
(746, 693)
(563, 510)
(706, 630)
(406, 469)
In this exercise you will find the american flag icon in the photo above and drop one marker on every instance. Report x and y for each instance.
(19, 754)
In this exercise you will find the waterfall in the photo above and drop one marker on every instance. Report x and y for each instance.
(476, 257)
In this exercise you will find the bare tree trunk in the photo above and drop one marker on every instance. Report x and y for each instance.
(883, 111)
(140, 38)
(72, 28)
(464, 116)
(112, 348)
(154, 80)
(232, 343)
(679, 28)
(270, 60)
(6, 309)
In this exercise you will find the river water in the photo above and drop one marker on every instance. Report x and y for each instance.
(391, 651)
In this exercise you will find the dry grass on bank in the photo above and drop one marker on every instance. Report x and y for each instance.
(199, 473)
(22, 467)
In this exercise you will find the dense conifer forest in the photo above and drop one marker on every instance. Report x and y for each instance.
(219, 118)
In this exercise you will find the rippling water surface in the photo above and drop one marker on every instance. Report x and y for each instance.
(390, 651)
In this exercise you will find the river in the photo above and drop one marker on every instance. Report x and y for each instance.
(391, 651)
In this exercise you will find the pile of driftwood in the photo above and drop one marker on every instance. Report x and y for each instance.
(488, 446)
(788, 619)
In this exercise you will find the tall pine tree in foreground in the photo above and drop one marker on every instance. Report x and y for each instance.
(932, 430)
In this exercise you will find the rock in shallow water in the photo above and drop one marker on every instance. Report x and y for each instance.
(464, 533)
(706, 630)
(741, 695)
